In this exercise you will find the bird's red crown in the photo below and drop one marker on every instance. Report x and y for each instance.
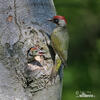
(61, 17)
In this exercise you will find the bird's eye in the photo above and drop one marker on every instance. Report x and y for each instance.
(56, 21)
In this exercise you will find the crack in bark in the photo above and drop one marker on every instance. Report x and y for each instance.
(16, 20)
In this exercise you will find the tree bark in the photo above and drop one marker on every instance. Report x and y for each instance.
(23, 24)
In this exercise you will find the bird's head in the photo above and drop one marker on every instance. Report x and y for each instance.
(59, 20)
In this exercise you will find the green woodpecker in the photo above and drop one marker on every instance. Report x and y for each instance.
(59, 42)
(33, 52)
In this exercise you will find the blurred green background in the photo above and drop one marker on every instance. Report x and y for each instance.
(83, 72)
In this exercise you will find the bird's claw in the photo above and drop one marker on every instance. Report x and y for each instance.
(53, 78)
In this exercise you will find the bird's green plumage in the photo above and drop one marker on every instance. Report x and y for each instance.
(59, 41)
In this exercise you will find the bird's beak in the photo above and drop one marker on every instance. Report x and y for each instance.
(50, 20)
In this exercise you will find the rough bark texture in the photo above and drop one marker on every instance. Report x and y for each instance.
(23, 24)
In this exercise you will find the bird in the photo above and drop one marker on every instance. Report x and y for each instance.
(59, 43)
(34, 52)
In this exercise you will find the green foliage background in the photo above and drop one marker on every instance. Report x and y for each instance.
(83, 72)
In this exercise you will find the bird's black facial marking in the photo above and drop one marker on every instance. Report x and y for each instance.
(56, 21)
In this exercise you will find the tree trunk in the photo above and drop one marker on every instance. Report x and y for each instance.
(23, 25)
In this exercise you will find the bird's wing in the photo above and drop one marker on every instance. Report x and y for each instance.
(60, 45)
